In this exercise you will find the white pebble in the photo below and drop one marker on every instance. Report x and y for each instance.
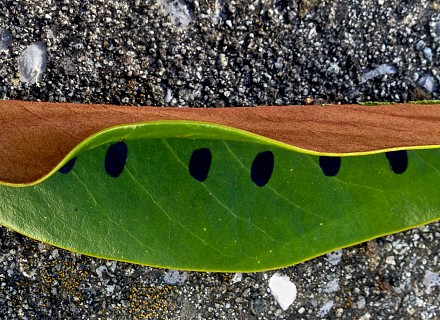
(390, 260)
(283, 290)
(32, 63)
(428, 82)
(237, 278)
(223, 61)
(334, 68)
(110, 289)
(427, 52)
(168, 95)
(361, 303)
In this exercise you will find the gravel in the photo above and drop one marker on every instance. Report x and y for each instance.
(211, 54)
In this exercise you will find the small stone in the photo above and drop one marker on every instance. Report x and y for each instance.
(168, 96)
(420, 44)
(428, 82)
(360, 304)
(223, 61)
(55, 254)
(339, 312)
(110, 289)
(390, 260)
(308, 101)
(5, 39)
(427, 52)
(333, 68)
(32, 63)
(410, 310)
(366, 316)
(237, 278)
(283, 290)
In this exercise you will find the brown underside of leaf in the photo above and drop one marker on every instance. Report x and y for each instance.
(36, 136)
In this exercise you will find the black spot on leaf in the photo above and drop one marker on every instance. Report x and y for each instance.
(398, 161)
(262, 168)
(200, 163)
(115, 159)
(330, 165)
(68, 166)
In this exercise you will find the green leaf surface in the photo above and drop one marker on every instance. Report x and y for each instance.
(157, 213)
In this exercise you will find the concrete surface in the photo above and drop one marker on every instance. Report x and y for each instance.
(224, 53)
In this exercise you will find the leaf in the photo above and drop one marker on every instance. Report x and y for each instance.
(200, 196)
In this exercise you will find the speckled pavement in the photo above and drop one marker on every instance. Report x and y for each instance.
(224, 53)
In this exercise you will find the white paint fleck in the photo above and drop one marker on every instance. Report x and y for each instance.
(381, 70)
(331, 286)
(431, 280)
(100, 270)
(174, 277)
(325, 309)
(283, 290)
(32, 63)
(334, 258)
(178, 12)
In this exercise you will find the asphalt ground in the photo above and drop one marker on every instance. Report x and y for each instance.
(214, 54)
